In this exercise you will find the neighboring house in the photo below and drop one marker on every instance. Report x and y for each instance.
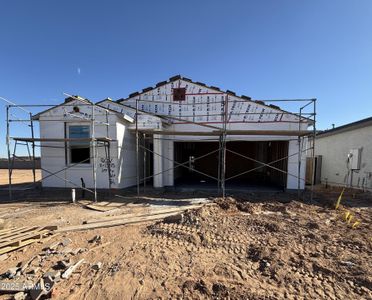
(178, 122)
(346, 153)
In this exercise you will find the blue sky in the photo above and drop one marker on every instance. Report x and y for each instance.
(267, 49)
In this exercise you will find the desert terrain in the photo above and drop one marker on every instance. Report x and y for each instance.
(246, 246)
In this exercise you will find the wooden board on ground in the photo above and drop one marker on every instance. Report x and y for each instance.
(15, 233)
(124, 220)
(101, 206)
(105, 224)
(15, 238)
(16, 247)
(152, 212)
(10, 229)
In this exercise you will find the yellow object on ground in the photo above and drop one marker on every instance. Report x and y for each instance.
(339, 199)
(355, 224)
(346, 216)
(350, 218)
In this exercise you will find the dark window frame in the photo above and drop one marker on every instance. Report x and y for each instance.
(76, 149)
(179, 94)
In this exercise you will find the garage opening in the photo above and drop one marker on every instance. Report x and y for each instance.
(251, 173)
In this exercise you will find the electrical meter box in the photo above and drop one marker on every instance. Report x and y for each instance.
(354, 159)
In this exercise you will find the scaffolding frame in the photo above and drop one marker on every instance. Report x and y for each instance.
(221, 132)
(94, 144)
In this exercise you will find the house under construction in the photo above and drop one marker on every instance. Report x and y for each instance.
(178, 133)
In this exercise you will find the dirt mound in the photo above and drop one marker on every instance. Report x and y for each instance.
(226, 203)
(232, 204)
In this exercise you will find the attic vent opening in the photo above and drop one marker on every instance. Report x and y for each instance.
(76, 109)
(179, 94)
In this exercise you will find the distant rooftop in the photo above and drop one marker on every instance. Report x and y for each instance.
(351, 126)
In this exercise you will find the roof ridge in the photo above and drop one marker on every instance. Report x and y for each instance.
(180, 77)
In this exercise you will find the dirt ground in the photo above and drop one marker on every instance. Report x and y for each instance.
(248, 246)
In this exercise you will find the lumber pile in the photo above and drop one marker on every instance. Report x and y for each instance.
(127, 219)
(14, 238)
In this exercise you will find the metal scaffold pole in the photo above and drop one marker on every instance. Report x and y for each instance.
(8, 149)
(108, 163)
(299, 157)
(313, 153)
(94, 154)
(137, 154)
(144, 162)
(219, 164)
(33, 149)
(223, 144)
(107, 147)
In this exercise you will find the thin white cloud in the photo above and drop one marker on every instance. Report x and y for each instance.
(78, 71)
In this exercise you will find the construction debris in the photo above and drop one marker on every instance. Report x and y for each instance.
(97, 266)
(96, 239)
(102, 206)
(71, 269)
(55, 275)
(11, 273)
(42, 288)
(124, 220)
(25, 265)
(20, 296)
(15, 238)
(153, 212)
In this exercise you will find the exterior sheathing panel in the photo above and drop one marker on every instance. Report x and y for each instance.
(145, 121)
(207, 106)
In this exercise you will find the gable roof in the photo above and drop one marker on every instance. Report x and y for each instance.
(67, 100)
(178, 77)
(347, 127)
(217, 89)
